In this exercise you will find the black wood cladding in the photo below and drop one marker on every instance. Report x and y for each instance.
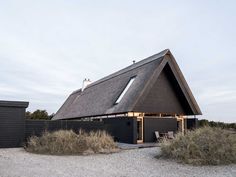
(37, 127)
(12, 126)
(165, 96)
(122, 129)
(15, 129)
(162, 125)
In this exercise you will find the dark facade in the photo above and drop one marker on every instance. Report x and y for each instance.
(123, 129)
(164, 96)
(162, 125)
(12, 123)
(191, 123)
(15, 130)
(37, 127)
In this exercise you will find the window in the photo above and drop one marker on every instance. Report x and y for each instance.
(125, 90)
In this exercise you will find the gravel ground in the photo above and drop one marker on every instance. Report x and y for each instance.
(137, 162)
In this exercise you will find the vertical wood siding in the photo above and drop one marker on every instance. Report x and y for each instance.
(12, 126)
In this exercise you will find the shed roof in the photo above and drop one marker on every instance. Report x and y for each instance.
(99, 97)
(20, 104)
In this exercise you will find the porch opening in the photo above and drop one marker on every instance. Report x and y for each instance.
(139, 129)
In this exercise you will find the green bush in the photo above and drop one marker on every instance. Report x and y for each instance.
(203, 146)
(205, 122)
(68, 142)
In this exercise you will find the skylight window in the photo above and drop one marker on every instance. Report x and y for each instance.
(125, 90)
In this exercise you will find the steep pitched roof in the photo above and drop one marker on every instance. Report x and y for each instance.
(99, 97)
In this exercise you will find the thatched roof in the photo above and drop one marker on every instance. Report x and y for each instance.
(99, 97)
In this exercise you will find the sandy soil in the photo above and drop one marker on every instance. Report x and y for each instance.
(137, 162)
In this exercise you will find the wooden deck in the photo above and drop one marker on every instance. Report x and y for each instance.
(126, 146)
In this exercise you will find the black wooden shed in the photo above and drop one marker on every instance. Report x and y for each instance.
(12, 123)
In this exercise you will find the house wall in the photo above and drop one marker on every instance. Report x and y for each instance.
(191, 123)
(37, 127)
(14, 129)
(123, 129)
(164, 96)
(12, 123)
(162, 125)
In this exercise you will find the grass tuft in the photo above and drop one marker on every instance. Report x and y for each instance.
(203, 146)
(68, 142)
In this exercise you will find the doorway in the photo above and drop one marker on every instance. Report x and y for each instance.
(180, 124)
(139, 129)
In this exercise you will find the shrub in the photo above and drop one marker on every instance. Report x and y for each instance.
(204, 122)
(203, 146)
(68, 142)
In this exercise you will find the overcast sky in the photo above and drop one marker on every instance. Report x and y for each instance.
(48, 47)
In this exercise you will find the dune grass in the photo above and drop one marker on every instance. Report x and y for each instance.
(203, 146)
(66, 142)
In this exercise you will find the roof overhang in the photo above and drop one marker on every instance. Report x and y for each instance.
(19, 104)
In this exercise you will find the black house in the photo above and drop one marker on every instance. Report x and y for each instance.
(147, 96)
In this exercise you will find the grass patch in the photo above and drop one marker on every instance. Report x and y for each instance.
(65, 142)
(203, 146)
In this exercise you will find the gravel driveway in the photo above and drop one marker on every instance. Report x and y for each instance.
(137, 162)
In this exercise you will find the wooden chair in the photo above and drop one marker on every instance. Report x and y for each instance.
(170, 134)
(157, 135)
